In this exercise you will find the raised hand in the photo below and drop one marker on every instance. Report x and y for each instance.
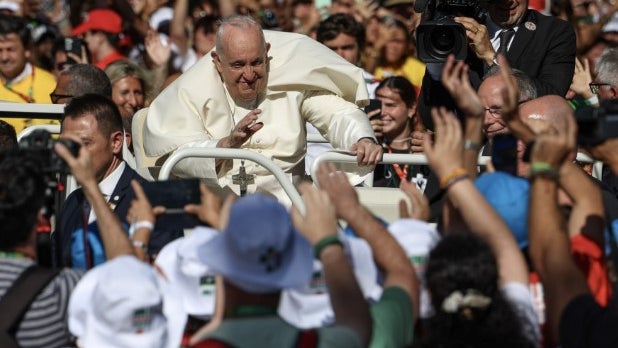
(446, 153)
(455, 80)
(210, 210)
(320, 218)
(158, 51)
(420, 205)
(243, 130)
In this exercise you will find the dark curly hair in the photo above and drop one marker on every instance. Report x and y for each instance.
(461, 262)
(22, 194)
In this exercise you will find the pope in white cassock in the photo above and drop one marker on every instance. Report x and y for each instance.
(256, 93)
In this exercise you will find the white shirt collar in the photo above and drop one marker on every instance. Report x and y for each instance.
(108, 184)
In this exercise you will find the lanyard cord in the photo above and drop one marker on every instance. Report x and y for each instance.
(27, 98)
(401, 173)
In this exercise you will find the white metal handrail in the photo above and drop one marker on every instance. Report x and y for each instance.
(418, 159)
(279, 174)
(34, 110)
(387, 158)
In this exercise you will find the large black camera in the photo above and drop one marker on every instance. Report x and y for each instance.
(597, 124)
(439, 35)
(41, 144)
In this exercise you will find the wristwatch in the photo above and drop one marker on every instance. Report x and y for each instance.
(370, 138)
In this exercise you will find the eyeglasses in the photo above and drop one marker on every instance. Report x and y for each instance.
(494, 111)
(55, 97)
(594, 87)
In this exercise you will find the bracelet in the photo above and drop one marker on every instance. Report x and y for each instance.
(370, 139)
(594, 100)
(543, 169)
(454, 180)
(471, 145)
(143, 224)
(140, 244)
(457, 172)
(324, 242)
(140, 224)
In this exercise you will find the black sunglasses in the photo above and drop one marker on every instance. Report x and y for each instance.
(55, 97)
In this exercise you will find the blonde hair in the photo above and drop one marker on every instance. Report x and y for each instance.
(125, 68)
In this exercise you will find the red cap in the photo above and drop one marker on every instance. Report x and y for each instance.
(101, 19)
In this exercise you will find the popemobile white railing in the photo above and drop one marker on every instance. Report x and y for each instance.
(418, 159)
(279, 174)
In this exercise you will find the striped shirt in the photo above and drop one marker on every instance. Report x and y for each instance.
(45, 322)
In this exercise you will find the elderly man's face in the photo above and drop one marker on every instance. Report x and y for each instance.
(490, 93)
(243, 65)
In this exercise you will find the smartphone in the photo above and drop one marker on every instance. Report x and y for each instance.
(73, 45)
(374, 104)
(504, 153)
(173, 194)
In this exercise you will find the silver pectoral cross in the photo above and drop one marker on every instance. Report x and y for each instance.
(243, 179)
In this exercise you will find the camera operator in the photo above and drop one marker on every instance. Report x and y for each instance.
(23, 285)
(96, 121)
(541, 46)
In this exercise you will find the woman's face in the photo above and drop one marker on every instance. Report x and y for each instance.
(128, 95)
(137, 5)
(397, 47)
(396, 114)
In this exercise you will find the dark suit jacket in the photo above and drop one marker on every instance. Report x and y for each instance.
(543, 48)
(72, 214)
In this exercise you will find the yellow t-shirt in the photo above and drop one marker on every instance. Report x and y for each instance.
(43, 84)
(413, 70)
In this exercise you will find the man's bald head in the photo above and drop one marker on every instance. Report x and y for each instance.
(542, 112)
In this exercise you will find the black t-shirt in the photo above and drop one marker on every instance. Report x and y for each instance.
(385, 175)
(586, 324)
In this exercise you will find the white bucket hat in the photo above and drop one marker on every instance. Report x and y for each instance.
(119, 304)
(259, 251)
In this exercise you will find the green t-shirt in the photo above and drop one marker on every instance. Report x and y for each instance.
(272, 331)
(393, 320)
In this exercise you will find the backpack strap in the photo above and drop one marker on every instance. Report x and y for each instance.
(18, 298)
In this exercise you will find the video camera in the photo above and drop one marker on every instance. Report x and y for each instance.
(41, 144)
(439, 35)
(597, 124)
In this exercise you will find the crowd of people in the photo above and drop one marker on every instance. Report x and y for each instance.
(520, 252)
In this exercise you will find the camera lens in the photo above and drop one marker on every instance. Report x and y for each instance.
(442, 39)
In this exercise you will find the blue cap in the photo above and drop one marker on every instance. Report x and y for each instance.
(508, 195)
